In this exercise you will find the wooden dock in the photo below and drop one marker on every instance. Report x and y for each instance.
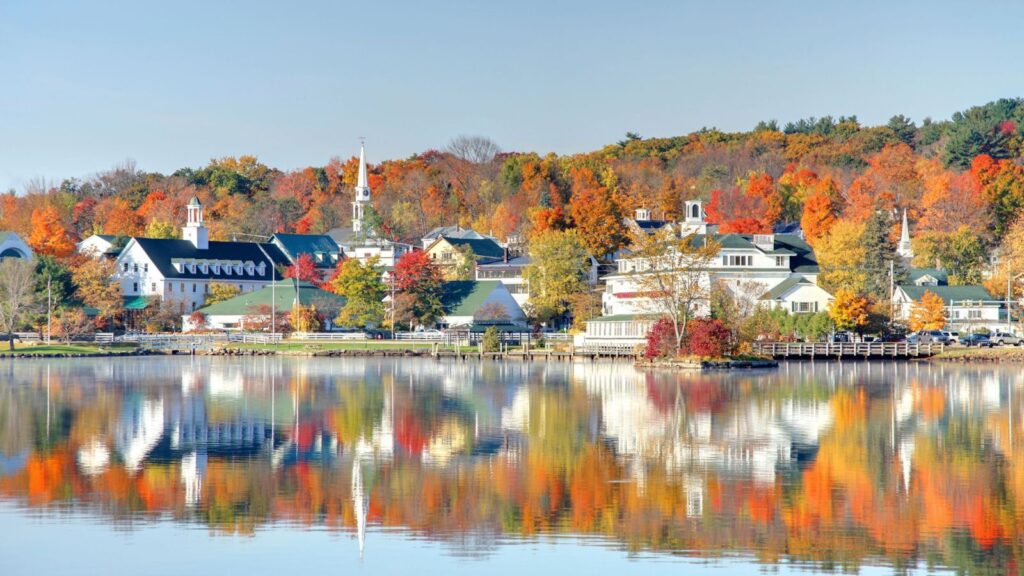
(854, 350)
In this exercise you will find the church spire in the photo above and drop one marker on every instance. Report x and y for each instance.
(904, 249)
(362, 191)
(361, 183)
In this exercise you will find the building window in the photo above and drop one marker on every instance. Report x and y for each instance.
(193, 287)
(804, 307)
(738, 260)
(124, 267)
(170, 287)
(135, 287)
(152, 287)
(974, 314)
(206, 288)
(780, 261)
(135, 268)
(182, 287)
(145, 267)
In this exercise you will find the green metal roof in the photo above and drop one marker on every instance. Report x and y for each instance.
(948, 293)
(284, 293)
(137, 302)
(785, 286)
(465, 297)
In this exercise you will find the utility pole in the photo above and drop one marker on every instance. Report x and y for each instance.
(1009, 283)
(391, 277)
(49, 307)
(892, 290)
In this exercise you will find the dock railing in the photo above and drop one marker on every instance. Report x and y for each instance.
(848, 349)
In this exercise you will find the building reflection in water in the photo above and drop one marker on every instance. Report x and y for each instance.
(831, 463)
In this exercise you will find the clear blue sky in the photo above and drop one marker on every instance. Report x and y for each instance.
(84, 86)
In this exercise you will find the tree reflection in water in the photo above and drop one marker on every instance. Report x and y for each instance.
(836, 465)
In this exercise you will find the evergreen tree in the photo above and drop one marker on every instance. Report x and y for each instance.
(879, 251)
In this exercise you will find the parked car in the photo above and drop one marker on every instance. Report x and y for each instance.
(979, 340)
(953, 336)
(927, 337)
(1005, 339)
(841, 336)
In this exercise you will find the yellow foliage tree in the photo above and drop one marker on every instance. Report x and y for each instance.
(840, 254)
(928, 313)
(220, 291)
(849, 310)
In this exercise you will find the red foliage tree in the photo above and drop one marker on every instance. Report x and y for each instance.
(661, 340)
(414, 270)
(304, 270)
(708, 338)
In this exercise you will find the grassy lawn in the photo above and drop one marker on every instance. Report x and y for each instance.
(55, 349)
(1004, 354)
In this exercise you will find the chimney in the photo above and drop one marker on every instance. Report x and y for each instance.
(506, 254)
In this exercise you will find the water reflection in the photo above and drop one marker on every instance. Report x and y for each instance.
(832, 465)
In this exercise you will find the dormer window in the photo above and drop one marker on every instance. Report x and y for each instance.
(238, 268)
(204, 267)
(216, 267)
(192, 267)
(249, 267)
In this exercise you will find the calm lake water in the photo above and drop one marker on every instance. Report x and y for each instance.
(412, 466)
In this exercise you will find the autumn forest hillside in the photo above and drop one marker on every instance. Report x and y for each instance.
(960, 180)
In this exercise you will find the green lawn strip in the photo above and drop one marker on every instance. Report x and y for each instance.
(55, 349)
(1015, 354)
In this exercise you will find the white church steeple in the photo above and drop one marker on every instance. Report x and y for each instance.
(195, 231)
(904, 248)
(362, 191)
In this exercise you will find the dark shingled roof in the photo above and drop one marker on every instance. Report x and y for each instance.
(801, 255)
(162, 252)
(517, 262)
(482, 248)
(319, 246)
(649, 225)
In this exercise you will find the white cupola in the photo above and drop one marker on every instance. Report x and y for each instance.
(194, 230)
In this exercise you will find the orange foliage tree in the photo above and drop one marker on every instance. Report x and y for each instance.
(929, 313)
(48, 235)
(596, 214)
(753, 209)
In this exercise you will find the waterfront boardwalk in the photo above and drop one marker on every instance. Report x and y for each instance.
(852, 350)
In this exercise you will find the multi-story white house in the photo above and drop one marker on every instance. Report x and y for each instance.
(778, 270)
(182, 270)
(774, 270)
